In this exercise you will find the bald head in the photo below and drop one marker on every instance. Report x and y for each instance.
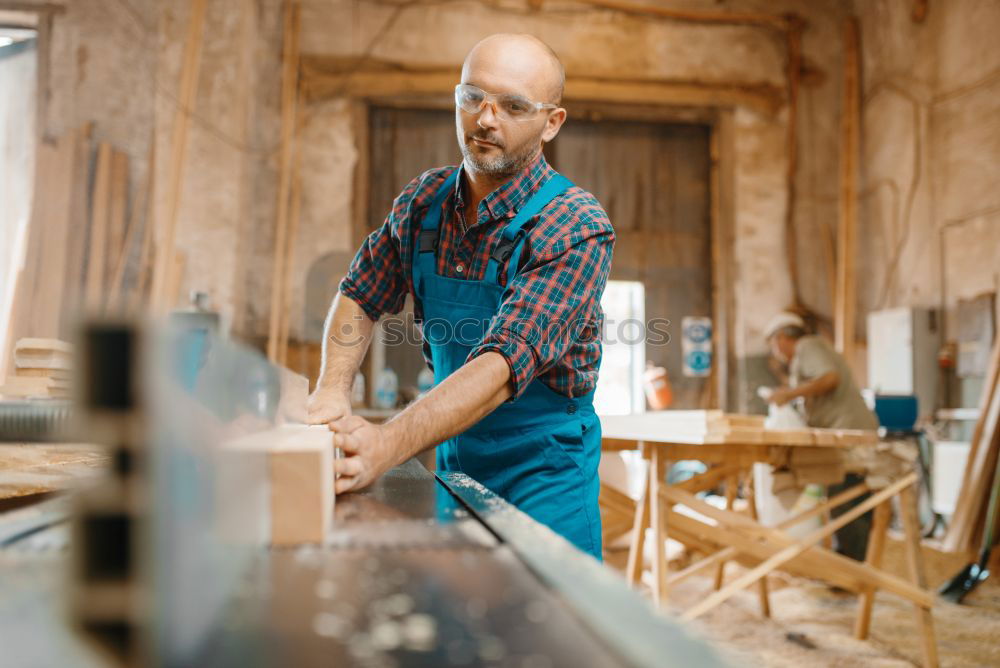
(516, 63)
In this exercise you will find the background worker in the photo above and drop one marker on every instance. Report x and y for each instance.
(821, 382)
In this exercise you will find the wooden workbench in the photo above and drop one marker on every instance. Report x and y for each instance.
(725, 535)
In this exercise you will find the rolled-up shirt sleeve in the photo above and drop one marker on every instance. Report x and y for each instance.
(551, 302)
(375, 278)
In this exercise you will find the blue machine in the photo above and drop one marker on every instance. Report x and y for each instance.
(896, 412)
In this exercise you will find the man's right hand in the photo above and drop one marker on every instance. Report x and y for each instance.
(326, 405)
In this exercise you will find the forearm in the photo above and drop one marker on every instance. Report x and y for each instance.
(463, 399)
(818, 386)
(347, 333)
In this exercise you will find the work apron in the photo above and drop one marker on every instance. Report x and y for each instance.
(539, 452)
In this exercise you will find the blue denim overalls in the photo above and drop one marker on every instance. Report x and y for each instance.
(540, 451)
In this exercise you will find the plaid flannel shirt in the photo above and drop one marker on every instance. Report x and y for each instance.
(549, 322)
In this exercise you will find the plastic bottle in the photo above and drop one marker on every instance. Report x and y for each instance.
(386, 389)
(425, 381)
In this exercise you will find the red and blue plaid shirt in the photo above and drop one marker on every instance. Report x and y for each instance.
(549, 321)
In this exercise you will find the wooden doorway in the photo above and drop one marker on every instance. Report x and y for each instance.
(652, 177)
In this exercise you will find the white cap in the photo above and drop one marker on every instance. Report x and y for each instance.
(782, 320)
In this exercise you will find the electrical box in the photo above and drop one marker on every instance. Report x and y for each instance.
(903, 344)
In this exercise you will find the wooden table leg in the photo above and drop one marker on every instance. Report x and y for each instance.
(876, 545)
(915, 561)
(658, 519)
(731, 483)
(765, 599)
(633, 568)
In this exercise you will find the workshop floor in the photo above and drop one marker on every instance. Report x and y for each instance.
(968, 634)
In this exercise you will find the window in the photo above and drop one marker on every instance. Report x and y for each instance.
(619, 388)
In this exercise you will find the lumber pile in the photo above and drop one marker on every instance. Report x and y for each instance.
(87, 244)
(967, 524)
(42, 369)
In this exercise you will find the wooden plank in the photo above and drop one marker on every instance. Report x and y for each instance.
(289, 86)
(915, 563)
(74, 279)
(138, 228)
(117, 210)
(98, 241)
(293, 233)
(166, 229)
(143, 273)
(846, 298)
(955, 539)
(873, 558)
(299, 479)
(47, 304)
(790, 552)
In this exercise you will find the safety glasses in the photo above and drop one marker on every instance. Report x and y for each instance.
(472, 100)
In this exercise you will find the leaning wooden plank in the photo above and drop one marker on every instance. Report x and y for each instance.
(47, 307)
(133, 252)
(289, 92)
(797, 548)
(299, 480)
(166, 229)
(97, 244)
(873, 557)
(116, 219)
(956, 538)
(74, 281)
(972, 497)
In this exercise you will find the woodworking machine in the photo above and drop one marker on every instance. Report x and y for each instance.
(168, 562)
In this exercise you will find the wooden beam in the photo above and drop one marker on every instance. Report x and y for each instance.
(844, 308)
(325, 77)
(289, 86)
(166, 228)
(759, 19)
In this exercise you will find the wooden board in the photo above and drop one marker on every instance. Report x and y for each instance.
(299, 479)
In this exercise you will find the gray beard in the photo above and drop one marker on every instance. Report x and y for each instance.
(506, 165)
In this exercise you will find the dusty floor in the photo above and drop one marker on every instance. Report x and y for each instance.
(968, 634)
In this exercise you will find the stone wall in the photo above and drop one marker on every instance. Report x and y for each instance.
(931, 154)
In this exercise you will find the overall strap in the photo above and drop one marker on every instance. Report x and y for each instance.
(512, 241)
(428, 234)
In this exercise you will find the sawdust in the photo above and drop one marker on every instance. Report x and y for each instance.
(811, 613)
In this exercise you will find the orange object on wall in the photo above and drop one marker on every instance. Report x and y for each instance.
(656, 384)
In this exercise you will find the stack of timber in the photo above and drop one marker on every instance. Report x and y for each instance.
(968, 523)
(42, 369)
(87, 244)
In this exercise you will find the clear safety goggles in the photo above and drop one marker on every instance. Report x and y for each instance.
(472, 100)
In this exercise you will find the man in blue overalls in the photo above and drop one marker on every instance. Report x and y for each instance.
(507, 261)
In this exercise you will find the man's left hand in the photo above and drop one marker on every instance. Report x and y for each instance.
(782, 395)
(368, 453)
